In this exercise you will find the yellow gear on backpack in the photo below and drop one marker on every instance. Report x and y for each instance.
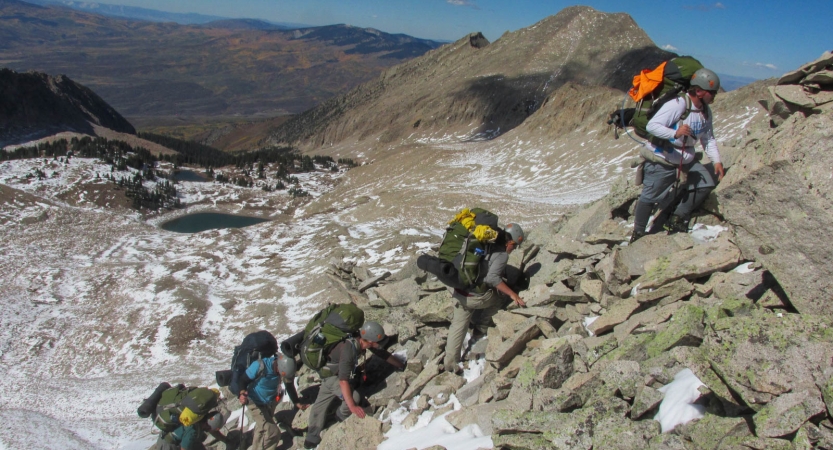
(482, 233)
(188, 417)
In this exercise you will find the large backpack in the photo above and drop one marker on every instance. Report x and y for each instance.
(331, 325)
(255, 346)
(198, 400)
(466, 242)
(651, 89)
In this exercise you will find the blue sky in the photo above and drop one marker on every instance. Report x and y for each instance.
(759, 39)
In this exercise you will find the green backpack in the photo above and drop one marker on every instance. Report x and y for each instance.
(199, 400)
(675, 81)
(333, 324)
(463, 250)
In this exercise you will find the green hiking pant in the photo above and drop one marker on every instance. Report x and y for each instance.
(329, 398)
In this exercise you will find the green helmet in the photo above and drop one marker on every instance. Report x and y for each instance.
(286, 366)
(705, 79)
(372, 331)
(515, 232)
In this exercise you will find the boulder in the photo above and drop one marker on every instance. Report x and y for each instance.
(765, 355)
(647, 399)
(778, 200)
(685, 328)
(503, 352)
(623, 434)
(400, 293)
(696, 262)
(787, 413)
(435, 308)
(615, 315)
(361, 433)
(481, 415)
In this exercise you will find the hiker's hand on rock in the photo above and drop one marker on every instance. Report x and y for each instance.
(684, 130)
(243, 397)
(718, 169)
(302, 406)
(518, 300)
(359, 412)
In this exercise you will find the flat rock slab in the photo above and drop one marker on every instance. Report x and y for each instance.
(370, 282)
(696, 262)
(400, 293)
(763, 356)
(787, 413)
(437, 307)
(615, 315)
(508, 349)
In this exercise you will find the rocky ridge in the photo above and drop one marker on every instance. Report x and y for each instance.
(607, 324)
(479, 88)
(36, 105)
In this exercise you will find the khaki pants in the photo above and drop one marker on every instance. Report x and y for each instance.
(328, 395)
(485, 306)
(267, 435)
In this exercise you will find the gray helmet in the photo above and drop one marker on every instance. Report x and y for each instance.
(515, 232)
(216, 421)
(286, 366)
(372, 331)
(705, 79)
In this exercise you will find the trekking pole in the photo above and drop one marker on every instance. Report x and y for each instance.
(241, 443)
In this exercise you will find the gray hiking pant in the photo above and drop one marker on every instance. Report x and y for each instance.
(465, 307)
(267, 435)
(329, 398)
(658, 179)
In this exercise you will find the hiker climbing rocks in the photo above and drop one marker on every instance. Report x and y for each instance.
(486, 295)
(184, 415)
(339, 378)
(263, 392)
(673, 179)
(192, 437)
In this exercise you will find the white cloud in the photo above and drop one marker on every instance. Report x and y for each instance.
(462, 3)
(719, 5)
(767, 66)
(669, 47)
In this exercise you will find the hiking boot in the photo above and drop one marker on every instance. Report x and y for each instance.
(309, 445)
(636, 235)
(676, 224)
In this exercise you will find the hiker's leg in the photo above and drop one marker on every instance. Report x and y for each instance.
(318, 413)
(456, 334)
(162, 444)
(700, 184)
(343, 411)
(482, 317)
(267, 436)
(656, 184)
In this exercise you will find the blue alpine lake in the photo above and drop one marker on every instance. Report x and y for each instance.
(190, 175)
(194, 223)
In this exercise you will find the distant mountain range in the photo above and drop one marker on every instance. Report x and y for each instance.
(152, 15)
(220, 68)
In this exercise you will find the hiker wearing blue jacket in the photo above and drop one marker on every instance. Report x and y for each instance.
(263, 392)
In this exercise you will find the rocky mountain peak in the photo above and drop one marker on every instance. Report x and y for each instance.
(479, 89)
(34, 105)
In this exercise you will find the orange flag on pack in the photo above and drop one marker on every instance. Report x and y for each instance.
(646, 82)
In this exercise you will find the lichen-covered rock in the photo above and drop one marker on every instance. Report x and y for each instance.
(399, 293)
(623, 377)
(623, 434)
(361, 433)
(615, 315)
(685, 328)
(786, 413)
(696, 262)
(712, 430)
(647, 399)
(766, 355)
